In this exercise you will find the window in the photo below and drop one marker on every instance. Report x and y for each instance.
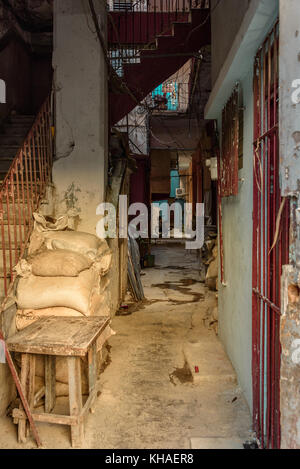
(232, 143)
(120, 5)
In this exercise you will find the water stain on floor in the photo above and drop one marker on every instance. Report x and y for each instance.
(181, 286)
(183, 375)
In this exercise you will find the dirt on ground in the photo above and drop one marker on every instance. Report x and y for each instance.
(157, 390)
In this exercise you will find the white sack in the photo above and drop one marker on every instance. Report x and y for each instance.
(41, 224)
(77, 241)
(212, 271)
(46, 292)
(60, 263)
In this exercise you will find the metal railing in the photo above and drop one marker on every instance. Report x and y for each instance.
(21, 192)
(135, 25)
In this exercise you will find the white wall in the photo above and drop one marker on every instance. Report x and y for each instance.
(235, 299)
(79, 173)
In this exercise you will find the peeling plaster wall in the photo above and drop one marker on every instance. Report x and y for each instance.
(79, 172)
(289, 71)
(290, 364)
(289, 127)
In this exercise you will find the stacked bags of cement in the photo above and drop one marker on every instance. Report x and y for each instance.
(64, 275)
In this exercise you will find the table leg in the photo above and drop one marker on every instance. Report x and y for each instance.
(50, 383)
(28, 381)
(75, 399)
(92, 363)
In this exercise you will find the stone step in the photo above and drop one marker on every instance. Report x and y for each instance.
(7, 259)
(12, 230)
(18, 218)
(21, 118)
(18, 193)
(208, 362)
(15, 129)
(35, 176)
(6, 162)
(10, 151)
(12, 139)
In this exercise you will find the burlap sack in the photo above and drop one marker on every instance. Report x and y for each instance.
(62, 376)
(212, 271)
(84, 243)
(47, 292)
(60, 263)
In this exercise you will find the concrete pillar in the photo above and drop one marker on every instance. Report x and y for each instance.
(79, 172)
(289, 126)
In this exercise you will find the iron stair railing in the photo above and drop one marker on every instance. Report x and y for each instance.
(21, 192)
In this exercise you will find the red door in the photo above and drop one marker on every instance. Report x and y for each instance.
(270, 245)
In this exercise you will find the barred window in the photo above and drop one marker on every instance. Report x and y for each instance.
(232, 143)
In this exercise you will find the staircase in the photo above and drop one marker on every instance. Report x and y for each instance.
(153, 46)
(12, 135)
(25, 170)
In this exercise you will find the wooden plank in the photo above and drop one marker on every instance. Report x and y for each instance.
(24, 382)
(21, 392)
(31, 386)
(50, 382)
(38, 396)
(55, 419)
(48, 418)
(31, 380)
(90, 400)
(63, 336)
(75, 399)
(92, 364)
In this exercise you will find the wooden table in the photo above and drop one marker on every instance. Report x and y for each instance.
(70, 337)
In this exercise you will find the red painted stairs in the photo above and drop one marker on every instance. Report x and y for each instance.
(158, 64)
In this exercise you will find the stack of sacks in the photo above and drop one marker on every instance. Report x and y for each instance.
(63, 278)
(64, 275)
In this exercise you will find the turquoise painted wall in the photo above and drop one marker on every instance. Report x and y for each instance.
(235, 310)
(235, 299)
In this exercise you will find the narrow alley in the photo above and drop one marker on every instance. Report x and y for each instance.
(161, 344)
(149, 224)
(152, 360)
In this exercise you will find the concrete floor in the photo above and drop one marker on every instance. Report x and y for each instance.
(151, 395)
